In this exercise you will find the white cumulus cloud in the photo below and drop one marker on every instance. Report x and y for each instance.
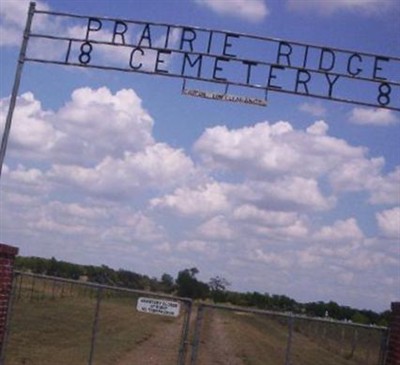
(342, 231)
(292, 160)
(364, 7)
(315, 109)
(13, 16)
(117, 122)
(389, 222)
(204, 200)
(368, 116)
(251, 10)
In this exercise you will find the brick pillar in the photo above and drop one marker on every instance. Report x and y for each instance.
(7, 258)
(393, 355)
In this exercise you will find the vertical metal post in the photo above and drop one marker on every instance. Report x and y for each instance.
(342, 340)
(19, 287)
(383, 347)
(185, 334)
(368, 349)
(354, 343)
(196, 336)
(17, 81)
(289, 342)
(53, 290)
(32, 288)
(95, 325)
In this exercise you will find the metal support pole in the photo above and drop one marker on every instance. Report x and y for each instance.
(17, 81)
(289, 342)
(342, 337)
(196, 336)
(383, 347)
(95, 325)
(185, 334)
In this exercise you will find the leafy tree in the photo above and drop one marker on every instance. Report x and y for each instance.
(358, 317)
(188, 285)
(167, 283)
(129, 279)
(218, 286)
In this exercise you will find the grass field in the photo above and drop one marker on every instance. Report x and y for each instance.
(249, 339)
(52, 324)
(48, 329)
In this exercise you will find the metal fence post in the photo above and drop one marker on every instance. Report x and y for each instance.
(185, 334)
(383, 347)
(354, 342)
(95, 324)
(289, 342)
(17, 81)
(196, 336)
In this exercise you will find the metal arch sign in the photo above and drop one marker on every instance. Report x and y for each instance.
(226, 59)
(212, 58)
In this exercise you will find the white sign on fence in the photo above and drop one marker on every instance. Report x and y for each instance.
(158, 306)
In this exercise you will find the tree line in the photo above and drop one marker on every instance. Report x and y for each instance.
(186, 284)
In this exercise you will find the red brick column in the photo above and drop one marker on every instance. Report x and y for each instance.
(393, 356)
(7, 258)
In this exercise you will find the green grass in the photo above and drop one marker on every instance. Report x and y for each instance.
(262, 340)
(47, 329)
(50, 332)
(52, 325)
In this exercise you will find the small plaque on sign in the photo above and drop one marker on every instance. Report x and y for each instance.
(158, 306)
(224, 97)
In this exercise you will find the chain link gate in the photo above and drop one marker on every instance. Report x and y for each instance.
(64, 322)
(67, 322)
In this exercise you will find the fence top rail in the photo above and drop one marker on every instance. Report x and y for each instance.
(290, 315)
(102, 286)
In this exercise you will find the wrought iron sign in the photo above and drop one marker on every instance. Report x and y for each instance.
(209, 58)
(223, 58)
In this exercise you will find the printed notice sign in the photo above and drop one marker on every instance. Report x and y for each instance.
(158, 306)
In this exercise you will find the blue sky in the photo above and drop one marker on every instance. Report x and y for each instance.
(301, 197)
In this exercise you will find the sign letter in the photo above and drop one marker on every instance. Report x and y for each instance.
(189, 40)
(228, 45)
(159, 60)
(120, 33)
(331, 83)
(272, 76)
(186, 57)
(349, 70)
(249, 65)
(327, 51)
(304, 82)
(94, 25)
(217, 68)
(146, 35)
(377, 68)
(287, 54)
(139, 66)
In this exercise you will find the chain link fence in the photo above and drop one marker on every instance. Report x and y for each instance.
(65, 322)
(237, 336)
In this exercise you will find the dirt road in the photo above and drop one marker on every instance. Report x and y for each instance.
(218, 350)
(161, 347)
